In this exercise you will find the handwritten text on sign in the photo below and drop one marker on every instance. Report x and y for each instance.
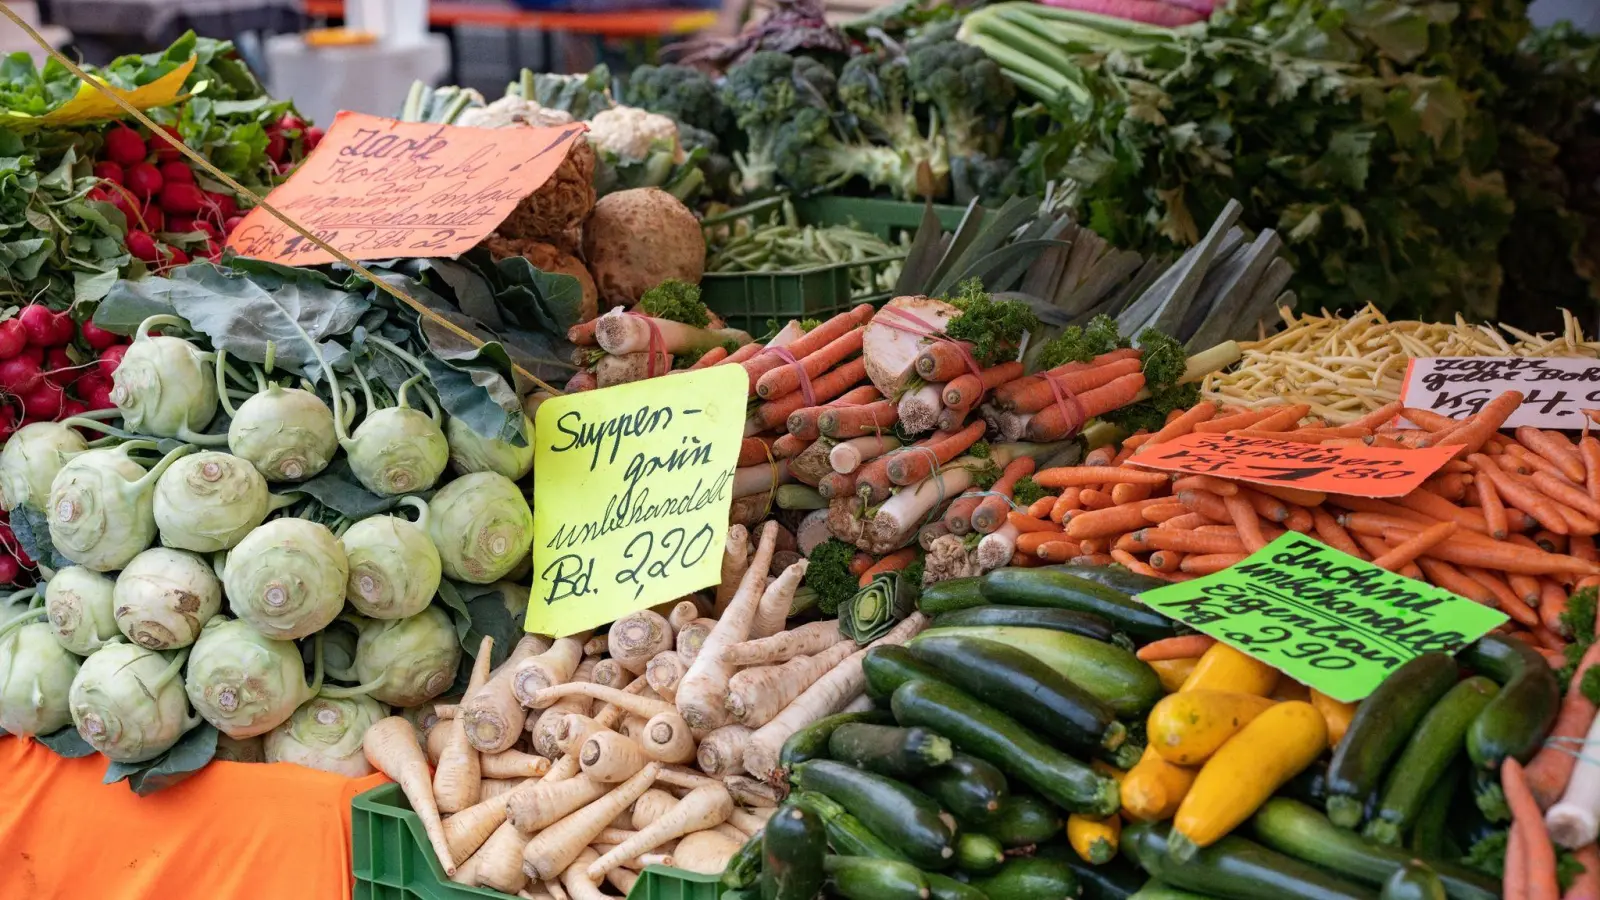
(1358, 471)
(1327, 619)
(632, 486)
(376, 188)
(1555, 391)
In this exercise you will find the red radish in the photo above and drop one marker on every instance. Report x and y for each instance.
(174, 257)
(232, 224)
(59, 369)
(110, 358)
(20, 375)
(63, 330)
(10, 569)
(13, 338)
(108, 171)
(291, 122)
(98, 194)
(43, 402)
(313, 138)
(177, 171)
(276, 146)
(144, 180)
(39, 324)
(124, 145)
(22, 556)
(165, 152)
(223, 205)
(143, 246)
(32, 354)
(152, 218)
(95, 389)
(97, 337)
(125, 204)
(71, 408)
(212, 251)
(182, 198)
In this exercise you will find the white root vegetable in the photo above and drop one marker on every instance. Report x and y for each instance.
(847, 456)
(574, 730)
(557, 846)
(594, 646)
(492, 717)
(622, 879)
(466, 873)
(773, 610)
(681, 777)
(722, 751)
(552, 667)
(437, 739)
(812, 531)
(805, 640)
(513, 764)
(731, 833)
(651, 806)
(996, 547)
(749, 792)
(633, 703)
(610, 757)
(902, 514)
(705, 852)
(556, 891)
(666, 737)
(751, 822)
(610, 370)
(491, 788)
(682, 613)
(692, 637)
(735, 559)
(562, 769)
(455, 780)
(825, 697)
(549, 802)
(467, 830)
(635, 638)
(610, 673)
(391, 747)
(757, 695)
(616, 835)
(701, 692)
(1575, 819)
(547, 729)
(919, 409)
(623, 334)
(578, 884)
(703, 809)
(862, 703)
(445, 711)
(664, 672)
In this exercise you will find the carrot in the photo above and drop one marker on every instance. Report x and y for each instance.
(1413, 547)
(1550, 769)
(1245, 519)
(1133, 565)
(1110, 521)
(1042, 506)
(1054, 551)
(860, 563)
(1186, 541)
(390, 745)
(1494, 512)
(1206, 483)
(1270, 508)
(1525, 587)
(1435, 508)
(1095, 499)
(456, 778)
(943, 360)
(1508, 601)
(1589, 448)
(1130, 493)
(1482, 426)
(909, 466)
(1068, 501)
(1036, 394)
(701, 692)
(1165, 508)
(1555, 449)
(805, 423)
(1027, 524)
(1521, 495)
(1283, 419)
(809, 342)
(1514, 883)
(789, 378)
(756, 449)
(1452, 486)
(1566, 493)
(788, 446)
(1379, 416)
(1083, 475)
(748, 351)
(958, 515)
(1526, 818)
(835, 485)
(1582, 546)
(1450, 578)
(1209, 563)
(1183, 423)
(893, 562)
(775, 413)
(1237, 420)
(1052, 422)
(1186, 522)
(1181, 647)
(964, 390)
(1586, 886)
(857, 420)
(991, 511)
(1428, 420)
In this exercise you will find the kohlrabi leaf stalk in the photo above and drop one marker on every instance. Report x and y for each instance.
(101, 512)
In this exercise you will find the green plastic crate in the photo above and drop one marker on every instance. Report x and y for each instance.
(392, 859)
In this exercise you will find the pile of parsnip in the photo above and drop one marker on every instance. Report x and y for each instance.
(579, 761)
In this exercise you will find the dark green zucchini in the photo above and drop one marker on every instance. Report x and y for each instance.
(1379, 729)
(1155, 889)
(903, 817)
(1428, 754)
(1071, 621)
(1430, 836)
(977, 853)
(1030, 878)
(943, 887)
(1001, 740)
(950, 595)
(1298, 830)
(889, 750)
(846, 834)
(1310, 786)
(1033, 693)
(865, 878)
(744, 869)
(1116, 880)
(1055, 587)
(1414, 881)
(1515, 722)
(1234, 868)
(1116, 676)
(740, 894)
(1025, 820)
(792, 847)
(811, 742)
(1114, 577)
(970, 788)
(889, 666)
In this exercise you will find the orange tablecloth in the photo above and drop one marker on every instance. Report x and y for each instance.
(232, 832)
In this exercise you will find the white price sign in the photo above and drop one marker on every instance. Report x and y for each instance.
(1555, 392)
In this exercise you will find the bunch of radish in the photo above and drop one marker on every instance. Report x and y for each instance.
(52, 368)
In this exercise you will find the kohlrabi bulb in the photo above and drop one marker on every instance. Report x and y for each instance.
(79, 604)
(209, 502)
(164, 386)
(325, 733)
(398, 450)
(286, 433)
(30, 460)
(36, 675)
(243, 683)
(472, 452)
(101, 513)
(394, 567)
(164, 597)
(481, 525)
(128, 702)
(287, 578)
(404, 662)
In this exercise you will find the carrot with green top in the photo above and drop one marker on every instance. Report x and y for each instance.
(1053, 422)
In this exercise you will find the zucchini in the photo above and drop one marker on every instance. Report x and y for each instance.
(1310, 786)
(970, 788)
(1025, 821)
(999, 739)
(1288, 826)
(864, 878)
(888, 750)
(1054, 586)
(943, 887)
(1414, 881)
(978, 852)
(792, 847)
(1428, 754)
(1115, 577)
(811, 742)
(846, 834)
(744, 869)
(1118, 678)
(1234, 868)
(1116, 880)
(1157, 890)
(889, 666)
(1515, 722)
(950, 595)
(1030, 878)
(1430, 836)
(1380, 727)
(1019, 684)
(1071, 621)
(906, 819)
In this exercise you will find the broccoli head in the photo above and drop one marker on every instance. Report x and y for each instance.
(876, 91)
(684, 93)
(677, 301)
(779, 103)
(1081, 343)
(970, 91)
(828, 573)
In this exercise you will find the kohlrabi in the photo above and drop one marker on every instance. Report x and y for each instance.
(403, 662)
(100, 511)
(80, 607)
(394, 567)
(481, 525)
(287, 578)
(128, 702)
(286, 433)
(164, 597)
(397, 449)
(165, 385)
(472, 452)
(36, 675)
(210, 501)
(30, 460)
(244, 683)
(325, 733)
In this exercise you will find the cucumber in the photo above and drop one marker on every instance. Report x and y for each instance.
(1157, 890)
(970, 788)
(744, 869)
(811, 742)
(1428, 754)
(1379, 728)
(1024, 821)
(1288, 826)
(792, 847)
(1115, 577)
(1019, 684)
(999, 739)
(864, 878)
(903, 817)
(950, 595)
(1055, 587)
(978, 853)
(1414, 881)
(1516, 722)
(889, 666)
(1116, 880)
(1071, 621)
(888, 750)
(1234, 868)
(1118, 678)
(846, 834)
(943, 887)
(1030, 878)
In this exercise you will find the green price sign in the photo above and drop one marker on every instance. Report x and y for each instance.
(1330, 621)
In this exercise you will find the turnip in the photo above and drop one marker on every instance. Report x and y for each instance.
(326, 734)
(99, 511)
(286, 433)
(123, 145)
(79, 604)
(246, 684)
(163, 598)
(394, 567)
(398, 450)
(164, 385)
(472, 452)
(30, 460)
(481, 525)
(106, 170)
(210, 501)
(287, 578)
(36, 675)
(403, 662)
(97, 337)
(128, 702)
(12, 338)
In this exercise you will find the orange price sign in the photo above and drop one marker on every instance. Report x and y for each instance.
(1356, 471)
(378, 188)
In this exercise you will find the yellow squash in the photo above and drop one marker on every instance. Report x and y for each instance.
(1336, 714)
(1153, 788)
(1289, 689)
(1174, 672)
(1223, 668)
(1245, 771)
(1094, 840)
(1189, 726)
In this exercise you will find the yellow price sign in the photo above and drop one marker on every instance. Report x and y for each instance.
(632, 486)
(90, 105)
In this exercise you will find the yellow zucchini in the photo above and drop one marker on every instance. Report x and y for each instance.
(1153, 788)
(1094, 839)
(1245, 771)
(1336, 714)
(1289, 689)
(1189, 726)
(1174, 672)
(1223, 668)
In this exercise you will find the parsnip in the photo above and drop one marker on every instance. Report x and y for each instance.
(635, 638)
(806, 640)
(513, 764)
(548, 802)
(578, 885)
(556, 847)
(773, 609)
(752, 793)
(455, 780)
(635, 703)
(609, 757)
(722, 751)
(735, 560)
(701, 692)
(547, 728)
(683, 612)
(750, 821)
(664, 672)
(391, 747)
(610, 673)
(552, 667)
(703, 809)
(492, 717)
(691, 637)
(652, 805)
(467, 830)
(756, 696)
(705, 852)
(666, 738)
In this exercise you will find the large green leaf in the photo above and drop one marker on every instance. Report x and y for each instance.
(189, 755)
(67, 743)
